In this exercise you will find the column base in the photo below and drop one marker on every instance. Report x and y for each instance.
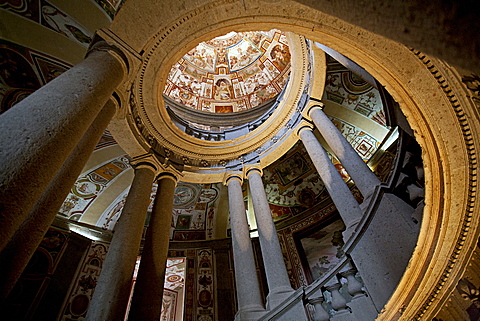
(278, 296)
(250, 313)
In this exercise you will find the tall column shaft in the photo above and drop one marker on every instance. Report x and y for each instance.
(111, 294)
(277, 276)
(361, 174)
(246, 279)
(16, 255)
(41, 131)
(343, 199)
(148, 292)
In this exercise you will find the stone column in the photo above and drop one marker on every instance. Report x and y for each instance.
(16, 255)
(361, 174)
(40, 132)
(346, 204)
(246, 279)
(148, 292)
(111, 294)
(279, 286)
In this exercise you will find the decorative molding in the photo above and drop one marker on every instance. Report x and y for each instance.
(472, 186)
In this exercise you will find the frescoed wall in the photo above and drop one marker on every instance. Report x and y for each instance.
(349, 90)
(292, 184)
(83, 286)
(364, 144)
(200, 284)
(194, 211)
(90, 184)
(51, 17)
(22, 71)
(323, 248)
(110, 7)
(293, 255)
(52, 273)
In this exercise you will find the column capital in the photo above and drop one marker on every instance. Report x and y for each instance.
(101, 45)
(150, 161)
(169, 173)
(110, 42)
(145, 161)
(304, 124)
(312, 105)
(248, 169)
(236, 175)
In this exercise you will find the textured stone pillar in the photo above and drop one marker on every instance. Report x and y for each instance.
(111, 294)
(148, 292)
(361, 174)
(279, 286)
(16, 255)
(346, 204)
(246, 279)
(40, 132)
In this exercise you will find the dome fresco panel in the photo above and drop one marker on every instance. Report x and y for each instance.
(234, 72)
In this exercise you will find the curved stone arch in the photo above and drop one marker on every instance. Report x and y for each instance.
(429, 94)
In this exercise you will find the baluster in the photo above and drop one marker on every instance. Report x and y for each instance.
(320, 313)
(339, 303)
(354, 287)
(361, 305)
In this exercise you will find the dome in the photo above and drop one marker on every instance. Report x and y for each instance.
(230, 73)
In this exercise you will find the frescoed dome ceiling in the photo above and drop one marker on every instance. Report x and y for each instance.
(234, 72)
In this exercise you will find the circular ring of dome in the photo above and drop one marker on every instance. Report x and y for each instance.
(156, 129)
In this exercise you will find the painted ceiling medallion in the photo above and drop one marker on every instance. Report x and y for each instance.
(185, 194)
(234, 72)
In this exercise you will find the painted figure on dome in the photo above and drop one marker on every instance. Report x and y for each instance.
(223, 89)
(280, 56)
